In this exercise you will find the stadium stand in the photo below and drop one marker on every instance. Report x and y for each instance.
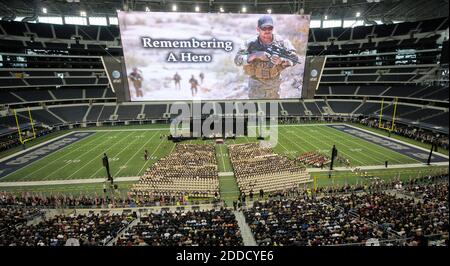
(70, 114)
(128, 112)
(343, 106)
(154, 110)
(219, 228)
(94, 113)
(89, 230)
(294, 108)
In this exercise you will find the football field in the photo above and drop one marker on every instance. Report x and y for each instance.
(82, 159)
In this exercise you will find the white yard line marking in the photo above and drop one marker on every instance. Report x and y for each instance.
(117, 154)
(56, 161)
(157, 147)
(323, 143)
(360, 145)
(96, 156)
(126, 163)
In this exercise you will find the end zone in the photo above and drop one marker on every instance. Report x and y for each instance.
(414, 152)
(19, 160)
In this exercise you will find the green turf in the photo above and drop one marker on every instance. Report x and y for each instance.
(83, 159)
(296, 140)
(228, 189)
(223, 159)
(125, 148)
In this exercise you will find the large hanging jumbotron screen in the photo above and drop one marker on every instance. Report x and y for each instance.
(204, 56)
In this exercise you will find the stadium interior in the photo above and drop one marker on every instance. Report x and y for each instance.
(379, 113)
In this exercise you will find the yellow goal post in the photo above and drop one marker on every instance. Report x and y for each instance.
(21, 139)
(380, 125)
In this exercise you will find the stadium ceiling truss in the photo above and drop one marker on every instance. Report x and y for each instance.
(385, 10)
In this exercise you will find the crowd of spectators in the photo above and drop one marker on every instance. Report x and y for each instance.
(192, 228)
(259, 168)
(306, 222)
(11, 216)
(189, 171)
(379, 212)
(85, 230)
(404, 216)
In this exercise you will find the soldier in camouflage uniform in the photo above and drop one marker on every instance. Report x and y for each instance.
(263, 69)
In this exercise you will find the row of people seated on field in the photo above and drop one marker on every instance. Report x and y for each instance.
(266, 166)
(188, 172)
(175, 183)
(314, 159)
(13, 216)
(178, 179)
(192, 228)
(93, 229)
(151, 192)
(189, 159)
(402, 215)
(188, 186)
(248, 150)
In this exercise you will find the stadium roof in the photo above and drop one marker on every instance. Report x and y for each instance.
(384, 10)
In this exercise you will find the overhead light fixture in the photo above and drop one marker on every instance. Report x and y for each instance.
(44, 10)
(269, 11)
(244, 9)
(174, 7)
(197, 9)
(147, 9)
(83, 13)
(358, 14)
(222, 10)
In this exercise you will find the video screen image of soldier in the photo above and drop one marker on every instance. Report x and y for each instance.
(206, 56)
(264, 58)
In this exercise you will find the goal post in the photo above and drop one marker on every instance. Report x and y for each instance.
(380, 125)
(21, 139)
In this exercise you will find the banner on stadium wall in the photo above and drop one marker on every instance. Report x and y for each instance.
(204, 56)
(313, 73)
(114, 67)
